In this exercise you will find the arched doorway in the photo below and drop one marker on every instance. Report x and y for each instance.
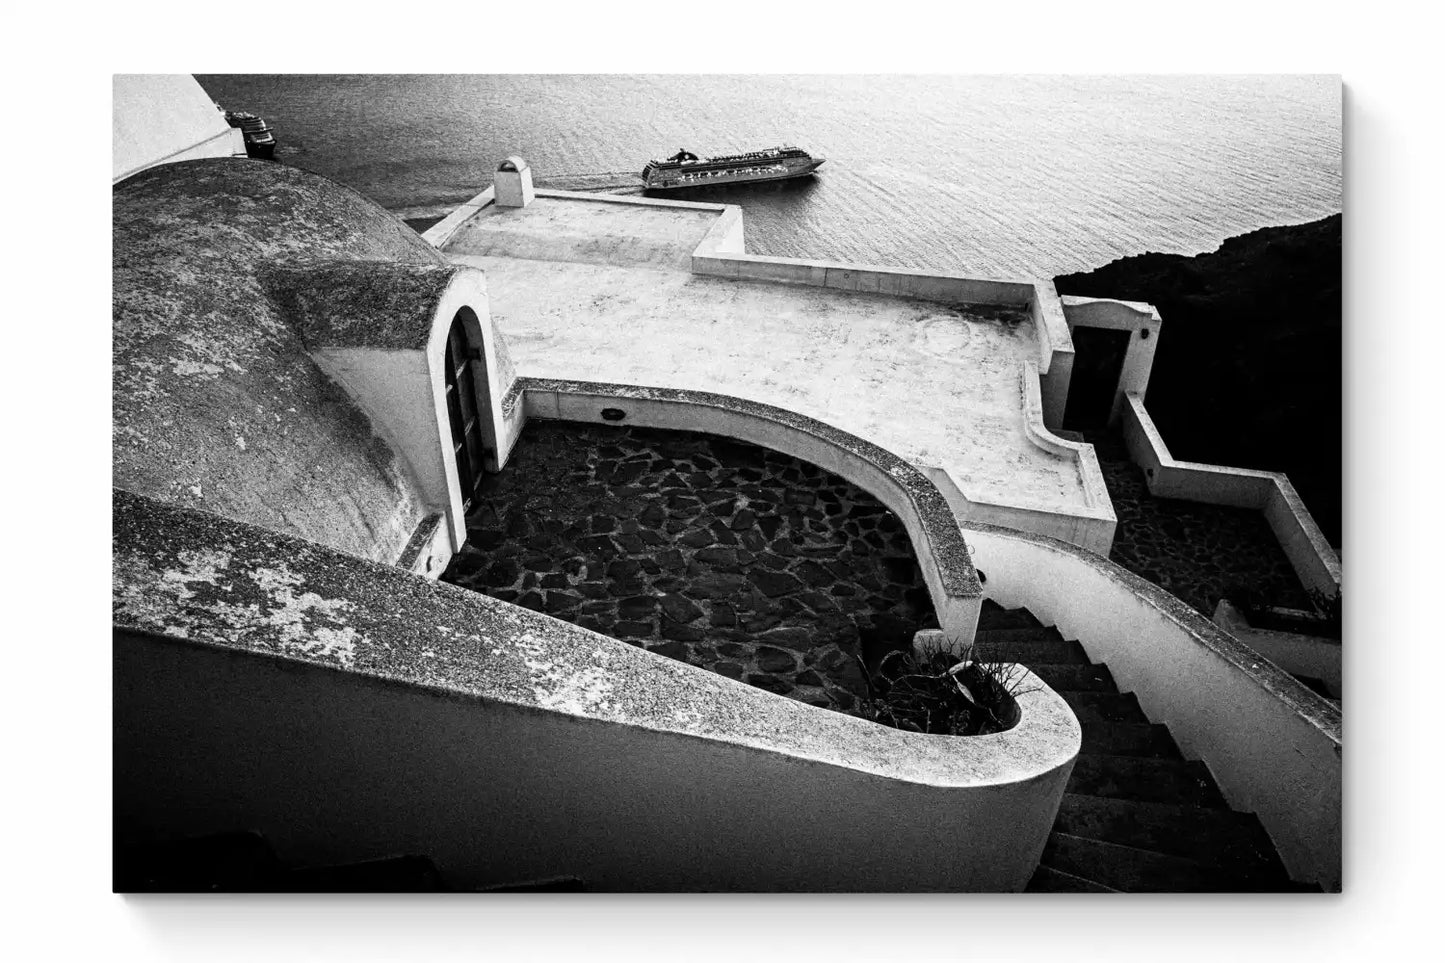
(472, 445)
(1099, 355)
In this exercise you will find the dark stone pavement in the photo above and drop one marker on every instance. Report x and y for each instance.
(1193, 551)
(729, 556)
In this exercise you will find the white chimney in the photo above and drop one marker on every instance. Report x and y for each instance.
(512, 187)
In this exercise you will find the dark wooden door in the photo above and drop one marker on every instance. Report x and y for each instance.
(468, 445)
(1098, 362)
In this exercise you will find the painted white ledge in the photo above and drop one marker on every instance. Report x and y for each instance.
(348, 710)
(1273, 745)
(1314, 560)
(1299, 654)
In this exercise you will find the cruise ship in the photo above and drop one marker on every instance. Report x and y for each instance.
(686, 169)
(260, 141)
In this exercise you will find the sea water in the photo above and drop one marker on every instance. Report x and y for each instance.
(991, 176)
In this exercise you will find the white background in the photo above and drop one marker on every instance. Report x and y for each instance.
(56, 692)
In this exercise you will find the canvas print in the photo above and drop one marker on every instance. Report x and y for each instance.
(741, 483)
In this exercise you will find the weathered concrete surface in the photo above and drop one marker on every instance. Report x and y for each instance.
(936, 384)
(348, 709)
(1216, 695)
(587, 230)
(216, 402)
(197, 576)
(164, 118)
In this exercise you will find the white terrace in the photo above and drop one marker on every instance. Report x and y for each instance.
(940, 370)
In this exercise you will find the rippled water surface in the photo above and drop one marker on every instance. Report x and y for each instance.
(1004, 176)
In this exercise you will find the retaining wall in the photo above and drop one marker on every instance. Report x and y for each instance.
(866, 279)
(1309, 655)
(165, 118)
(1056, 350)
(1310, 554)
(350, 710)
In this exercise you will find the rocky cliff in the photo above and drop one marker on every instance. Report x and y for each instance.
(1248, 369)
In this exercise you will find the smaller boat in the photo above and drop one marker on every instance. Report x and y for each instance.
(260, 142)
(686, 169)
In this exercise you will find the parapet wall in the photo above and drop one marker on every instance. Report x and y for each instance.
(864, 279)
(1273, 746)
(1056, 350)
(1300, 655)
(164, 118)
(403, 715)
(1314, 561)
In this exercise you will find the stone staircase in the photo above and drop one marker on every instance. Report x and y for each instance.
(1136, 815)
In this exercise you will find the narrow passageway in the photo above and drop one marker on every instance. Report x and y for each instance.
(1195, 552)
(725, 555)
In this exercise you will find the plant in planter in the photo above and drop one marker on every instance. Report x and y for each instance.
(939, 692)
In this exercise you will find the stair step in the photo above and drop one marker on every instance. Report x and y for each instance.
(1033, 634)
(1046, 879)
(391, 874)
(994, 616)
(1129, 739)
(1050, 653)
(1078, 678)
(1230, 841)
(1143, 779)
(1132, 870)
(1093, 707)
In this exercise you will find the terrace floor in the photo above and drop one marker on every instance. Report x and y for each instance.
(589, 291)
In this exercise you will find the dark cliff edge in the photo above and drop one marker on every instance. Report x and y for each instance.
(1248, 369)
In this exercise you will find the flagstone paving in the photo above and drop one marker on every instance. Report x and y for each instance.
(729, 556)
(1199, 553)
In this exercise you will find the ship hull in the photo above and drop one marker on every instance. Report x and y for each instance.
(727, 179)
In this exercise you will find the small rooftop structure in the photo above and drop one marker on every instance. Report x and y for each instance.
(513, 183)
(248, 300)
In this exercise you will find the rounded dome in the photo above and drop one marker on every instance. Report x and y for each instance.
(216, 402)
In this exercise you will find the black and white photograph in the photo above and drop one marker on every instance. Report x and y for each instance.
(507, 499)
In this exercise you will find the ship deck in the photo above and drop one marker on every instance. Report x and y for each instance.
(602, 291)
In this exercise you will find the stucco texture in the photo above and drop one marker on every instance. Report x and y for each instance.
(935, 384)
(223, 270)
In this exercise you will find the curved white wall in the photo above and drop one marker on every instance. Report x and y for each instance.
(1273, 745)
(161, 118)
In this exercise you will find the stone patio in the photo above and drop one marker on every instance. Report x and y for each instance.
(1193, 551)
(731, 557)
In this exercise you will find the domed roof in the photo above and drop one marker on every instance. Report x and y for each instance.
(218, 266)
